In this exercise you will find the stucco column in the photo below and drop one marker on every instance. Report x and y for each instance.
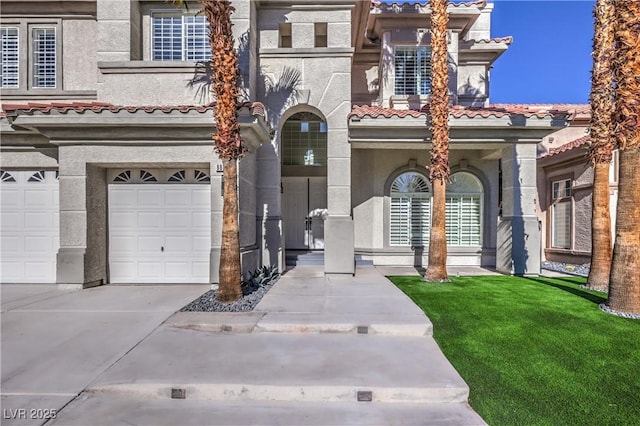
(115, 27)
(339, 251)
(518, 240)
(81, 258)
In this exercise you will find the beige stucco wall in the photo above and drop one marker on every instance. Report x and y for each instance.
(79, 61)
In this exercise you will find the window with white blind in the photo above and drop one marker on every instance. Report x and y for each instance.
(410, 210)
(43, 52)
(412, 70)
(561, 214)
(180, 37)
(410, 217)
(10, 57)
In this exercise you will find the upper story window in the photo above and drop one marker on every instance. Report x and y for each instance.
(284, 34)
(10, 57)
(178, 37)
(43, 41)
(412, 70)
(320, 34)
(304, 140)
(30, 56)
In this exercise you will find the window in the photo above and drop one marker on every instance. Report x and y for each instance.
(413, 70)
(10, 62)
(180, 38)
(44, 57)
(561, 214)
(30, 55)
(304, 141)
(410, 212)
(284, 34)
(320, 32)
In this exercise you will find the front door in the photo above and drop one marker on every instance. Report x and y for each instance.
(304, 210)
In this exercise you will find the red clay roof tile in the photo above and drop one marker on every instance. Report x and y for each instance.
(458, 111)
(577, 143)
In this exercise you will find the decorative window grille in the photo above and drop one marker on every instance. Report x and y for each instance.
(37, 177)
(43, 42)
(178, 176)
(145, 176)
(561, 214)
(180, 38)
(201, 176)
(9, 38)
(412, 70)
(123, 177)
(410, 210)
(6, 177)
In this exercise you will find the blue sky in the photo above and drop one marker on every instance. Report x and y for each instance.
(550, 58)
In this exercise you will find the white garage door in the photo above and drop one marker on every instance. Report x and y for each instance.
(159, 233)
(29, 226)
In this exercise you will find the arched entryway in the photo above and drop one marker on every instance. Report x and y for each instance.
(303, 154)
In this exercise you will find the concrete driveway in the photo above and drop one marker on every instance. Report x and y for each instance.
(55, 342)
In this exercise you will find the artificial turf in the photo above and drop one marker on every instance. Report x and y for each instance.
(535, 351)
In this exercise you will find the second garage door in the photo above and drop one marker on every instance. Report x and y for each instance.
(159, 233)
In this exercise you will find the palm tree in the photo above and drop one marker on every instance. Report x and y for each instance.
(439, 170)
(624, 282)
(227, 140)
(602, 144)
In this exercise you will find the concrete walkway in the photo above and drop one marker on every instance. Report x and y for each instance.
(334, 350)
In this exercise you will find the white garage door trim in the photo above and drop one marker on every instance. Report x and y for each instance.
(29, 226)
(159, 232)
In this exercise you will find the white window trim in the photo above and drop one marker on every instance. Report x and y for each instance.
(32, 73)
(182, 15)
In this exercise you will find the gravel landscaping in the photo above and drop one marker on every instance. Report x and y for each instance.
(254, 287)
(567, 268)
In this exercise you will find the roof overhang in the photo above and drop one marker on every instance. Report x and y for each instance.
(481, 130)
(134, 125)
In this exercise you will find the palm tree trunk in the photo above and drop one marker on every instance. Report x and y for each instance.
(602, 144)
(600, 230)
(230, 272)
(439, 170)
(624, 283)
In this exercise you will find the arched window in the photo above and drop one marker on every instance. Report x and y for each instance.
(304, 140)
(410, 210)
(464, 210)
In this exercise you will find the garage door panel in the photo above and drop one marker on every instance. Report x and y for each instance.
(123, 243)
(201, 198)
(12, 245)
(29, 236)
(164, 217)
(149, 220)
(201, 244)
(149, 198)
(38, 244)
(177, 245)
(123, 220)
(177, 197)
(12, 220)
(177, 220)
(150, 270)
(11, 198)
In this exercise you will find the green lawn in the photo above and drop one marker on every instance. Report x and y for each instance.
(535, 351)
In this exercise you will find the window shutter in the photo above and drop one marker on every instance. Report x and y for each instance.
(420, 221)
(399, 224)
(562, 224)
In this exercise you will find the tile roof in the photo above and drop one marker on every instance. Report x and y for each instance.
(506, 40)
(577, 143)
(458, 111)
(395, 5)
(256, 108)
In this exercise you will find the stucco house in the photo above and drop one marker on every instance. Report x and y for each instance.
(565, 188)
(108, 170)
